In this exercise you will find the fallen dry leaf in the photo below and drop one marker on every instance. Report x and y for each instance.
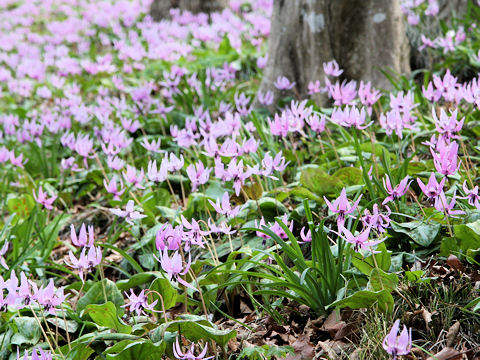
(427, 316)
(455, 264)
(304, 349)
(453, 333)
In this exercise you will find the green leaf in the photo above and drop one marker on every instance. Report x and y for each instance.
(96, 295)
(380, 280)
(349, 176)
(137, 280)
(319, 182)
(466, 240)
(78, 352)
(365, 299)
(421, 233)
(28, 331)
(194, 330)
(168, 292)
(106, 315)
(134, 350)
(21, 205)
(367, 264)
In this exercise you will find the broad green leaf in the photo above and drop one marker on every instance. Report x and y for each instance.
(367, 264)
(168, 292)
(319, 182)
(135, 350)
(28, 331)
(422, 233)
(78, 352)
(97, 294)
(21, 205)
(380, 280)
(349, 176)
(106, 315)
(466, 240)
(137, 279)
(365, 299)
(194, 330)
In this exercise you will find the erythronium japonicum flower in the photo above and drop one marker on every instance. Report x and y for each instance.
(446, 160)
(397, 191)
(360, 241)
(472, 195)
(129, 213)
(433, 188)
(174, 267)
(441, 204)
(342, 207)
(87, 260)
(82, 240)
(282, 83)
(224, 208)
(376, 220)
(139, 303)
(189, 354)
(398, 345)
(3, 251)
(43, 199)
(113, 188)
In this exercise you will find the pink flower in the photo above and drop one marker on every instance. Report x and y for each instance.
(177, 352)
(82, 241)
(113, 189)
(3, 251)
(282, 83)
(139, 303)
(198, 174)
(360, 241)
(397, 191)
(472, 195)
(441, 204)
(445, 160)
(331, 68)
(43, 199)
(175, 268)
(129, 213)
(398, 345)
(433, 188)
(342, 207)
(224, 208)
(86, 261)
(306, 237)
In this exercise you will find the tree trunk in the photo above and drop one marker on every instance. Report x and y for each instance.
(363, 36)
(160, 9)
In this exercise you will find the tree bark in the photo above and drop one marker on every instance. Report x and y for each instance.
(363, 36)
(160, 9)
